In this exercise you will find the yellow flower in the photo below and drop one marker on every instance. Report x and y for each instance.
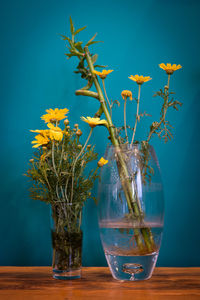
(102, 162)
(102, 74)
(54, 115)
(140, 79)
(42, 132)
(170, 68)
(55, 133)
(93, 122)
(125, 94)
(40, 140)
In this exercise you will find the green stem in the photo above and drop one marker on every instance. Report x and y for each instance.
(87, 93)
(125, 100)
(137, 114)
(73, 168)
(168, 80)
(124, 175)
(164, 113)
(104, 88)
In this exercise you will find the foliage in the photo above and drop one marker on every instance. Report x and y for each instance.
(119, 135)
(54, 169)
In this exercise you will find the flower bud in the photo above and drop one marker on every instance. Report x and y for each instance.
(79, 146)
(89, 146)
(68, 127)
(79, 132)
(166, 87)
(44, 148)
(76, 125)
(31, 160)
(66, 122)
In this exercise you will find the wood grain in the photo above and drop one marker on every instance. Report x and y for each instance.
(97, 283)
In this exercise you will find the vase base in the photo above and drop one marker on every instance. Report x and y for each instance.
(131, 268)
(66, 275)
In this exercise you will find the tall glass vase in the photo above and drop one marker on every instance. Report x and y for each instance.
(66, 241)
(131, 211)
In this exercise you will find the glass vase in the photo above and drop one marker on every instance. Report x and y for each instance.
(67, 238)
(131, 211)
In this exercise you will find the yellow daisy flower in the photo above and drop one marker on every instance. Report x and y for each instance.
(125, 94)
(93, 122)
(102, 74)
(140, 79)
(42, 132)
(40, 140)
(54, 115)
(55, 133)
(102, 162)
(170, 68)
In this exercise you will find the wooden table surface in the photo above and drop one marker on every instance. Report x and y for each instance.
(97, 283)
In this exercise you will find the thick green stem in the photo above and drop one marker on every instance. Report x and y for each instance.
(124, 175)
(87, 93)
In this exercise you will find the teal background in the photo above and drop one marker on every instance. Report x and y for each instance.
(35, 75)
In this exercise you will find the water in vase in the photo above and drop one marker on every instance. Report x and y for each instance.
(125, 259)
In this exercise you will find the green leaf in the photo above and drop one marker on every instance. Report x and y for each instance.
(94, 58)
(94, 42)
(69, 55)
(71, 26)
(100, 66)
(79, 30)
(65, 38)
(91, 39)
(78, 46)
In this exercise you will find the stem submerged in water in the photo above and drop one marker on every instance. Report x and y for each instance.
(123, 172)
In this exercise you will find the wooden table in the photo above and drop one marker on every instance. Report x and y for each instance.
(97, 283)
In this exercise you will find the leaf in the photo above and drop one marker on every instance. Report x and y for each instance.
(79, 30)
(94, 58)
(88, 43)
(71, 26)
(100, 66)
(79, 47)
(69, 55)
(94, 42)
(65, 38)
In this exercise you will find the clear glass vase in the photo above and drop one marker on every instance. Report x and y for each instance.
(66, 241)
(131, 211)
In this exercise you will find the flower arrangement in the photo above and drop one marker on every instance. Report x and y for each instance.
(119, 136)
(58, 172)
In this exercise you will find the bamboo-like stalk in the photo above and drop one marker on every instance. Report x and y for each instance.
(123, 172)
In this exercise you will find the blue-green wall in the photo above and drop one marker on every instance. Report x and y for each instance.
(35, 75)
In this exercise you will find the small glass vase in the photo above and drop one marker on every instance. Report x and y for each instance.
(131, 211)
(67, 238)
